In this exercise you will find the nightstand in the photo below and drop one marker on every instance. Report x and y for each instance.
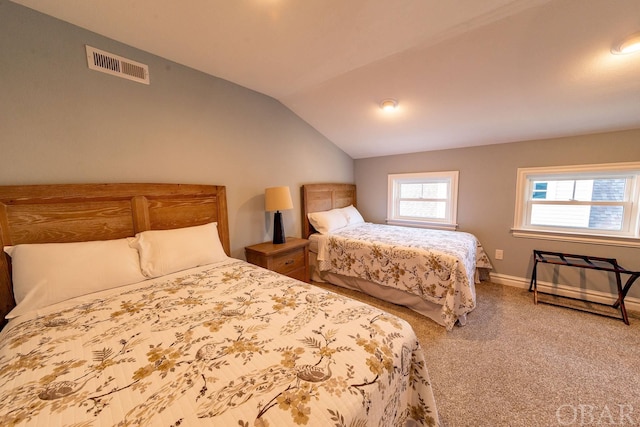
(290, 258)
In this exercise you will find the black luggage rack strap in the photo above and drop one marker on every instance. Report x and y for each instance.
(588, 262)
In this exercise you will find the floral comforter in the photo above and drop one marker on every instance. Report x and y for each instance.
(229, 344)
(438, 266)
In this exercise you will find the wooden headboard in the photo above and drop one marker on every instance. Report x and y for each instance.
(324, 197)
(84, 212)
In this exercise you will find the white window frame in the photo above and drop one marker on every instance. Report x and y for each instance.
(629, 236)
(451, 210)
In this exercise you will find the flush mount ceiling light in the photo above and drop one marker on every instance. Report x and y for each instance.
(388, 104)
(630, 44)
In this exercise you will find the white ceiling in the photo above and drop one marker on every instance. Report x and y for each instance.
(465, 72)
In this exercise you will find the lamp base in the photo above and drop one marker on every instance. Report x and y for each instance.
(278, 229)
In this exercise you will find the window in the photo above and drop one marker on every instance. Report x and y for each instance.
(590, 203)
(423, 199)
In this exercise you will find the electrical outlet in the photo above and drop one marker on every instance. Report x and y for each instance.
(499, 253)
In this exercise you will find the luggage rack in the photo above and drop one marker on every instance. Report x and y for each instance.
(591, 263)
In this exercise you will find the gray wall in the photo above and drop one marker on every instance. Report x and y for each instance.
(63, 123)
(486, 199)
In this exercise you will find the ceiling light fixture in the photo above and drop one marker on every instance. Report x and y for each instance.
(630, 44)
(388, 104)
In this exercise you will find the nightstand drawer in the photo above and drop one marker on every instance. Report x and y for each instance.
(300, 274)
(288, 262)
(290, 258)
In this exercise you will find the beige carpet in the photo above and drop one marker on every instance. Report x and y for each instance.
(520, 364)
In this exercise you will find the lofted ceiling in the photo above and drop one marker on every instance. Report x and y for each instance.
(464, 72)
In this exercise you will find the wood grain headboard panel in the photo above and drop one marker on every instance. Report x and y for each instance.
(84, 212)
(324, 197)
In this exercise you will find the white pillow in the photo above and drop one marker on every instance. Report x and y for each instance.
(327, 221)
(48, 273)
(167, 251)
(352, 215)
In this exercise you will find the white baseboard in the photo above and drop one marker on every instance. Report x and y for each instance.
(630, 303)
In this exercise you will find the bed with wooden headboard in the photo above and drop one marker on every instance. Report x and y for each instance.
(86, 212)
(413, 267)
(213, 342)
(324, 197)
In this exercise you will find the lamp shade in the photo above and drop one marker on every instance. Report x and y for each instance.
(277, 199)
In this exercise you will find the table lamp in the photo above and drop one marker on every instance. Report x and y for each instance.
(277, 199)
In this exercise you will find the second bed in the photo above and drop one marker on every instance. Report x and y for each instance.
(433, 272)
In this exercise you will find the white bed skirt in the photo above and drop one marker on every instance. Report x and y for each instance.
(396, 296)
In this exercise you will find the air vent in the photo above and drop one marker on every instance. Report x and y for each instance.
(115, 65)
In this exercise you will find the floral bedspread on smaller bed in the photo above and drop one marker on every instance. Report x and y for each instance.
(439, 266)
(228, 344)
